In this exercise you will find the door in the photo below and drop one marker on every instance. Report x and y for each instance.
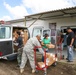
(52, 27)
(37, 31)
(5, 40)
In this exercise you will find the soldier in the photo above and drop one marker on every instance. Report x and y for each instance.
(28, 53)
(19, 43)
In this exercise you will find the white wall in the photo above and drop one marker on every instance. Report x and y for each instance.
(19, 24)
(38, 23)
(70, 21)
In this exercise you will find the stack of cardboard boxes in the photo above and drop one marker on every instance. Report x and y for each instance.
(50, 59)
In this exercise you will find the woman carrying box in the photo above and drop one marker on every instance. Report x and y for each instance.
(46, 40)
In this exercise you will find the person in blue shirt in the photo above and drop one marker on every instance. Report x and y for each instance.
(19, 43)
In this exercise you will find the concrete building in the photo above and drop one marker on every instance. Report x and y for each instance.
(50, 22)
(18, 22)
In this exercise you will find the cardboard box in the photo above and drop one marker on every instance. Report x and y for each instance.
(50, 46)
(50, 59)
(50, 62)
(49, 54)
(25, 38)
(41, 64)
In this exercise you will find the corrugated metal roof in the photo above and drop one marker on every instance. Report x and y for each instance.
(66, 12)
(16, 21)
(68, 8)
(49, 14)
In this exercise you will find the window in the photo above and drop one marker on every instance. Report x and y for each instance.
(37, 31)
(5, 32)
(46, 32)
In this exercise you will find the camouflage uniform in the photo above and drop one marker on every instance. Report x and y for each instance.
(19, 55)
(19, 44)
(28, 52)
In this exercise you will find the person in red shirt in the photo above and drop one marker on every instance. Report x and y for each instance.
(61, 40)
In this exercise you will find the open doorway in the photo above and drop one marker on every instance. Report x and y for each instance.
(63, 28)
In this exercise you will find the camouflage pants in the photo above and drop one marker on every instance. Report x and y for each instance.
(27, 55)
(19, 55)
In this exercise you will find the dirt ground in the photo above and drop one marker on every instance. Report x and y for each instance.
(10, 68)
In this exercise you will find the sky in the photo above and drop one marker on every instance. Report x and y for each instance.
(17, 9)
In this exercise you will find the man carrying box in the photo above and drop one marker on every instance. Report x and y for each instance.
(28, 53)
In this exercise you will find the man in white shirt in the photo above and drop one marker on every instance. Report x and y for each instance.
(28, 53)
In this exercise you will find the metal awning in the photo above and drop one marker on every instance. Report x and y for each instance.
(54, 14)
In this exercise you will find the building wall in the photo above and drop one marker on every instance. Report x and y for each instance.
(38, 23)
(70, 21)
(19, 23)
